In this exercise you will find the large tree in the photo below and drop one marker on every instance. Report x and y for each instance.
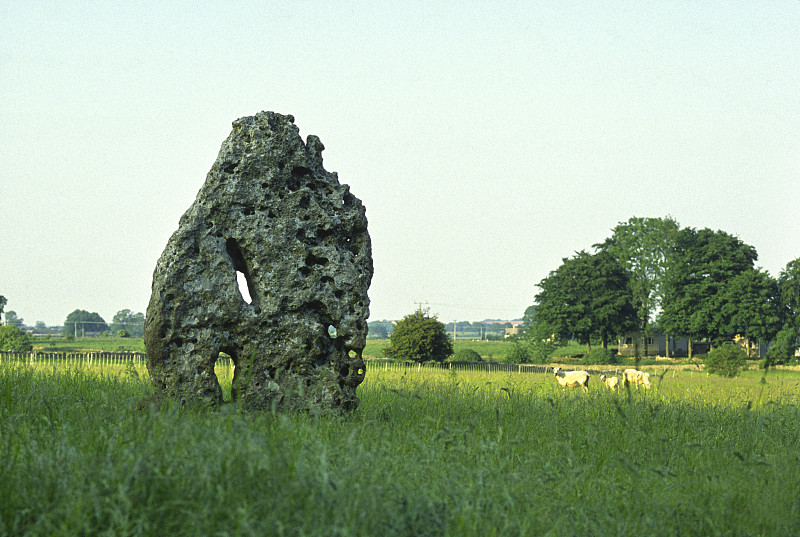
(132, 323)
(705, 261)
(81, 321)
(789, 289)
(13, 320)
(644, 248)
(587, 297)
(419, 337)
(749, 305)
(787, 339)
(3, 302)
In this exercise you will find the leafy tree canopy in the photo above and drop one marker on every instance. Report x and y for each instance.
(644, 247)
(588, 295)
(81, 321)
(14, 339)
(419, 337)
(132, 323)
(789, 289)
(704, 263)
(13, 320)
(3, 302)
(749, 305)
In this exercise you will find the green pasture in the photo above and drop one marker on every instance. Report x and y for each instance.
(88, 344)
(496, 351)
(427, 453)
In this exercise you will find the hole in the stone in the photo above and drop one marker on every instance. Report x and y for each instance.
(304, 271)
(332, 332)
(311, 259)
(241, 283)
(299, 172)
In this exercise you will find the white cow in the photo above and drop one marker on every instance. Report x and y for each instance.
(632, 376)
(572, 379)
(611, 382)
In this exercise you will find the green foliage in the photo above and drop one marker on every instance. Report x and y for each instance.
(123, 333)
(520, 353)
(377, 331)
(749, 305)
(725, 360)
(789, 289)
(705, 261)
(419, 338)
(13, 320)
(599, 356)
(588, 295)
(782, 352)
(466, 355)
(542, 338)
(644, 247)
(81, 321)
(14, 339)
(132, 323)
(3, 302)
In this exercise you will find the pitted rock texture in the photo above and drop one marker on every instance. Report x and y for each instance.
(269, 211)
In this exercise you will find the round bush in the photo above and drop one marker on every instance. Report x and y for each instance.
(726, 360)
(14, 339)
(467, 355)
(599, 356)
(419, 338)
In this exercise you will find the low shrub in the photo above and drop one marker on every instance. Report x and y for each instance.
(600, 356)
(519, 354)
(467, 355)
(726, 360)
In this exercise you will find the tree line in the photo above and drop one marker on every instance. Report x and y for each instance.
(651, 276)
(14, 336)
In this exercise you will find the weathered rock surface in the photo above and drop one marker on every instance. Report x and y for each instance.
(270, 211)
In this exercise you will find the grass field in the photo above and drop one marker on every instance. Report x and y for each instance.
(88, 344)
(427, 453)
(489, 350)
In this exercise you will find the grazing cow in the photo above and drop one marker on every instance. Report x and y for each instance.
(632, 376)
(611, 382)
(572, 379)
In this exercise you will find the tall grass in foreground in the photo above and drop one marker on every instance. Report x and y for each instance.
(427, 453)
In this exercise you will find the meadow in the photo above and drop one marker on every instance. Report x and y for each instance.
(427, 453)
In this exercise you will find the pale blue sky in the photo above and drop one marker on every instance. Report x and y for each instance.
(487, 141)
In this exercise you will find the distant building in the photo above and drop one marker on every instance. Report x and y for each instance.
(656, 345)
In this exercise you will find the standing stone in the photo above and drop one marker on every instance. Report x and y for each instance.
(269, 211)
